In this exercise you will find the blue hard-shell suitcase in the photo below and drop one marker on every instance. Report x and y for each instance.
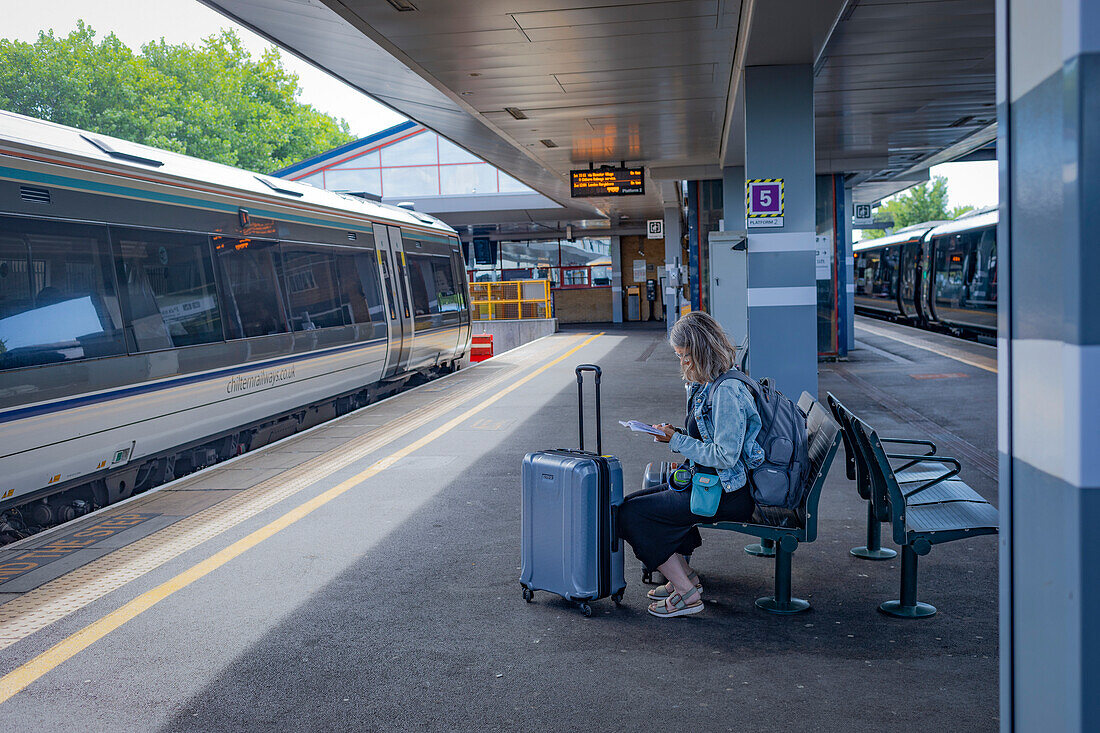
(571, 498)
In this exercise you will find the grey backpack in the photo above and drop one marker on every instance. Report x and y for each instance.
(781, 479)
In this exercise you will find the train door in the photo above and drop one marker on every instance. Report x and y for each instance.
(397, 299)
(928, 284)
(909, 253)
(458, 267)
(401, 268)
(919, 257)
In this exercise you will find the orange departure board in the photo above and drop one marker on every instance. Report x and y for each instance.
(607, 182)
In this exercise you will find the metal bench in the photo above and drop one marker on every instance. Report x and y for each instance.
(856, 470)
(785, 528)
(922, 513)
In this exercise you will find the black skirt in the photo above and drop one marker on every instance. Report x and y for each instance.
(658, 522)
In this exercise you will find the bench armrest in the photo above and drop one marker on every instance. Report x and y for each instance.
(937, 459)
(911, 441)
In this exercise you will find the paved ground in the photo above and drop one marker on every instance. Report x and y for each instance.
(396, 605)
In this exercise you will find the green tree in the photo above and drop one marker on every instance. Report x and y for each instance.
(210, 100)
(923, 202)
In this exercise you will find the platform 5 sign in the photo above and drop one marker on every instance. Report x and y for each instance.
(764, 202)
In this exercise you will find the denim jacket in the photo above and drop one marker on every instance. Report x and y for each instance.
(729, 425)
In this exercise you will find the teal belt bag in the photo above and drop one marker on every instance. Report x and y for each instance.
(706, 493)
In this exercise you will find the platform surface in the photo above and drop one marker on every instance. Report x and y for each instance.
(364, 575)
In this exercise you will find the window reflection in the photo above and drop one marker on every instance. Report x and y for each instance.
(312, 295)
(248, 268)
(57, 299)
(168, 292)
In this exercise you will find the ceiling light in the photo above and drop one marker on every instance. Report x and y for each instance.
(516, 112)
(549, 143)
(403, 6)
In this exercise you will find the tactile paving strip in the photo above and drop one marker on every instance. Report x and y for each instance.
(52, 601)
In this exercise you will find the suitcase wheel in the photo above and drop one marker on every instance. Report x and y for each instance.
(528, 595)
(618, 597)
(586, 609)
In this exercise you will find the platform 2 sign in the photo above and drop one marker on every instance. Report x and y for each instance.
(607, 182)
(764, 202)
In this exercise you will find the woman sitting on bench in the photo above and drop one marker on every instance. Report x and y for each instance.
(721, 434)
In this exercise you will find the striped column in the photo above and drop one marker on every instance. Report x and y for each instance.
(616, 280)
(1049, 363)
(782, 289)
(848, 268)
(673, 257)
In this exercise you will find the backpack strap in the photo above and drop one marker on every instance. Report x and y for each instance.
(753, 386)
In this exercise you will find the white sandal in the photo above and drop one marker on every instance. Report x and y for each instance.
(677, 605)
(662, 592)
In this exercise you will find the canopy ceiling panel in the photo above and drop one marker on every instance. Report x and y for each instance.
(538, 87)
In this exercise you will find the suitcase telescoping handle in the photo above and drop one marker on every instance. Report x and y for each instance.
(580, 370)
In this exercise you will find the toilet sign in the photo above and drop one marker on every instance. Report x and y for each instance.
(764, 202)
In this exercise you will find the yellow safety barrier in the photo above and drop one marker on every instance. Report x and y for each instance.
(511, 300)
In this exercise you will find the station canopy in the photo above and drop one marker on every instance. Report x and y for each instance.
(542, 87)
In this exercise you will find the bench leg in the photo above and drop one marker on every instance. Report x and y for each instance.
(908, 606)
(873, 550)
(782, 603)
(763, 548)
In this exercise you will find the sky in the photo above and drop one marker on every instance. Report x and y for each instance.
(187, 21)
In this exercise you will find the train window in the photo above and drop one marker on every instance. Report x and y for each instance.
(982, 283)
(865, 271)
(57, 297)
(421, 281)
(384, 261)
(446, 290)
(433, 280)
(400, 257)
(886, 274)
(312, 293)
(251, 287)
(458, 276)
(167, 288)
(951, 257)
(359, 287)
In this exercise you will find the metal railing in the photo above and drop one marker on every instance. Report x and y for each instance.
(510, 300)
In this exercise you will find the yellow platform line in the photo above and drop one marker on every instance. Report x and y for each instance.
(978, 362)
(36, 609)
(25, 674)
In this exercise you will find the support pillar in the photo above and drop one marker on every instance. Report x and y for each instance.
(616, 281)
(1048, 103)
(673, 261)
(782, 285)
(728, 260)
(849, 273)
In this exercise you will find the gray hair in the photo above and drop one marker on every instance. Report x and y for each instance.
(710, 352)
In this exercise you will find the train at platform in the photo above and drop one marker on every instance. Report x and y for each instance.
(940, 275)
(160, 313)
